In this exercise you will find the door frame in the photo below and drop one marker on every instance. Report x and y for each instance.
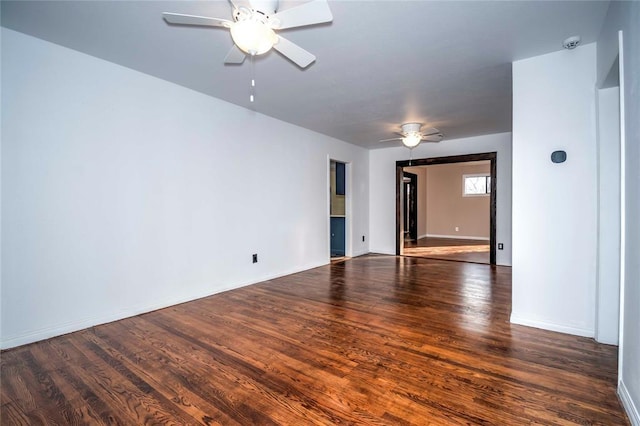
(491, 156)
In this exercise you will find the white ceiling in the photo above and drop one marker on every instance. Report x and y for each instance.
(380, 63)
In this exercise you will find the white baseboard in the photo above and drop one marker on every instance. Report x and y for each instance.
(359, 253)
(544, 325)
(381, 250)
(72, 326)
(131, 311)
(628, 404)
(459, 237)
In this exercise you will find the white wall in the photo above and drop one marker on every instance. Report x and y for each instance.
(382, 185)
(1, 316)
(624, 16)
(554, 205)
(123, 193)
(608, 265)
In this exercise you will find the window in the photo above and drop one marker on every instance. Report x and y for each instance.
(476, 185)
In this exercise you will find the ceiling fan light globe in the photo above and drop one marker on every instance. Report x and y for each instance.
(253, 37)
(412, 140)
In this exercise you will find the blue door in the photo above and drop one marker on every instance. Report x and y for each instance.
(337, 236)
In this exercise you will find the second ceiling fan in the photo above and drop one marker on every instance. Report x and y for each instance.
(254, 24)
(411, 135)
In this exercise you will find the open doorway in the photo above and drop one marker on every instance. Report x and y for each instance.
(453, 208)
(337, 209)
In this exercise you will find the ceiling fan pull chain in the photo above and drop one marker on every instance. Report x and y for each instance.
(253, 79)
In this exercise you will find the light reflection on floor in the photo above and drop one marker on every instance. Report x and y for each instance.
(465, 253)
(477, 298)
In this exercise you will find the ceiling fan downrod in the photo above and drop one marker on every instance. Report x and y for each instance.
(253, 79)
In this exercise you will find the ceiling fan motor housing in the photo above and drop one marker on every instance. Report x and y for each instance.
(411, 128)
(265, 6)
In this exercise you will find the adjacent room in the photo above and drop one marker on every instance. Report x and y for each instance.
(453, 211)
(261, 212)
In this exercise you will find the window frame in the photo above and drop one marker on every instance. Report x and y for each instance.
(486, 175)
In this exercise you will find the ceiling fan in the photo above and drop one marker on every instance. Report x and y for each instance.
(411, 135)
(254, 24)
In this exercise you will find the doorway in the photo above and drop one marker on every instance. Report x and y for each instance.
(468, 247)
(337, 209)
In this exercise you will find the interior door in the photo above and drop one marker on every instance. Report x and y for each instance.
(337, 236)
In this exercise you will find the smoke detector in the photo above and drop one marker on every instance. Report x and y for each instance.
(571, 43)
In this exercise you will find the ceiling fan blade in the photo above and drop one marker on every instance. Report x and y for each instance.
(430, 131)
(179, 18)
(389, 140)
(294, 52)
(235, 56)
(437, 137)
(314, 12)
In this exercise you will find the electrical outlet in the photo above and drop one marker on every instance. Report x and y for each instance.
(255, 258)
(500, 246)
(457, 229)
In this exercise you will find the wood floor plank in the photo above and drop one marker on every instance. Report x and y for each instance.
(375, 340)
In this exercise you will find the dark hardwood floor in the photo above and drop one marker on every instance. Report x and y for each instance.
(376, 340)
(460, 250)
